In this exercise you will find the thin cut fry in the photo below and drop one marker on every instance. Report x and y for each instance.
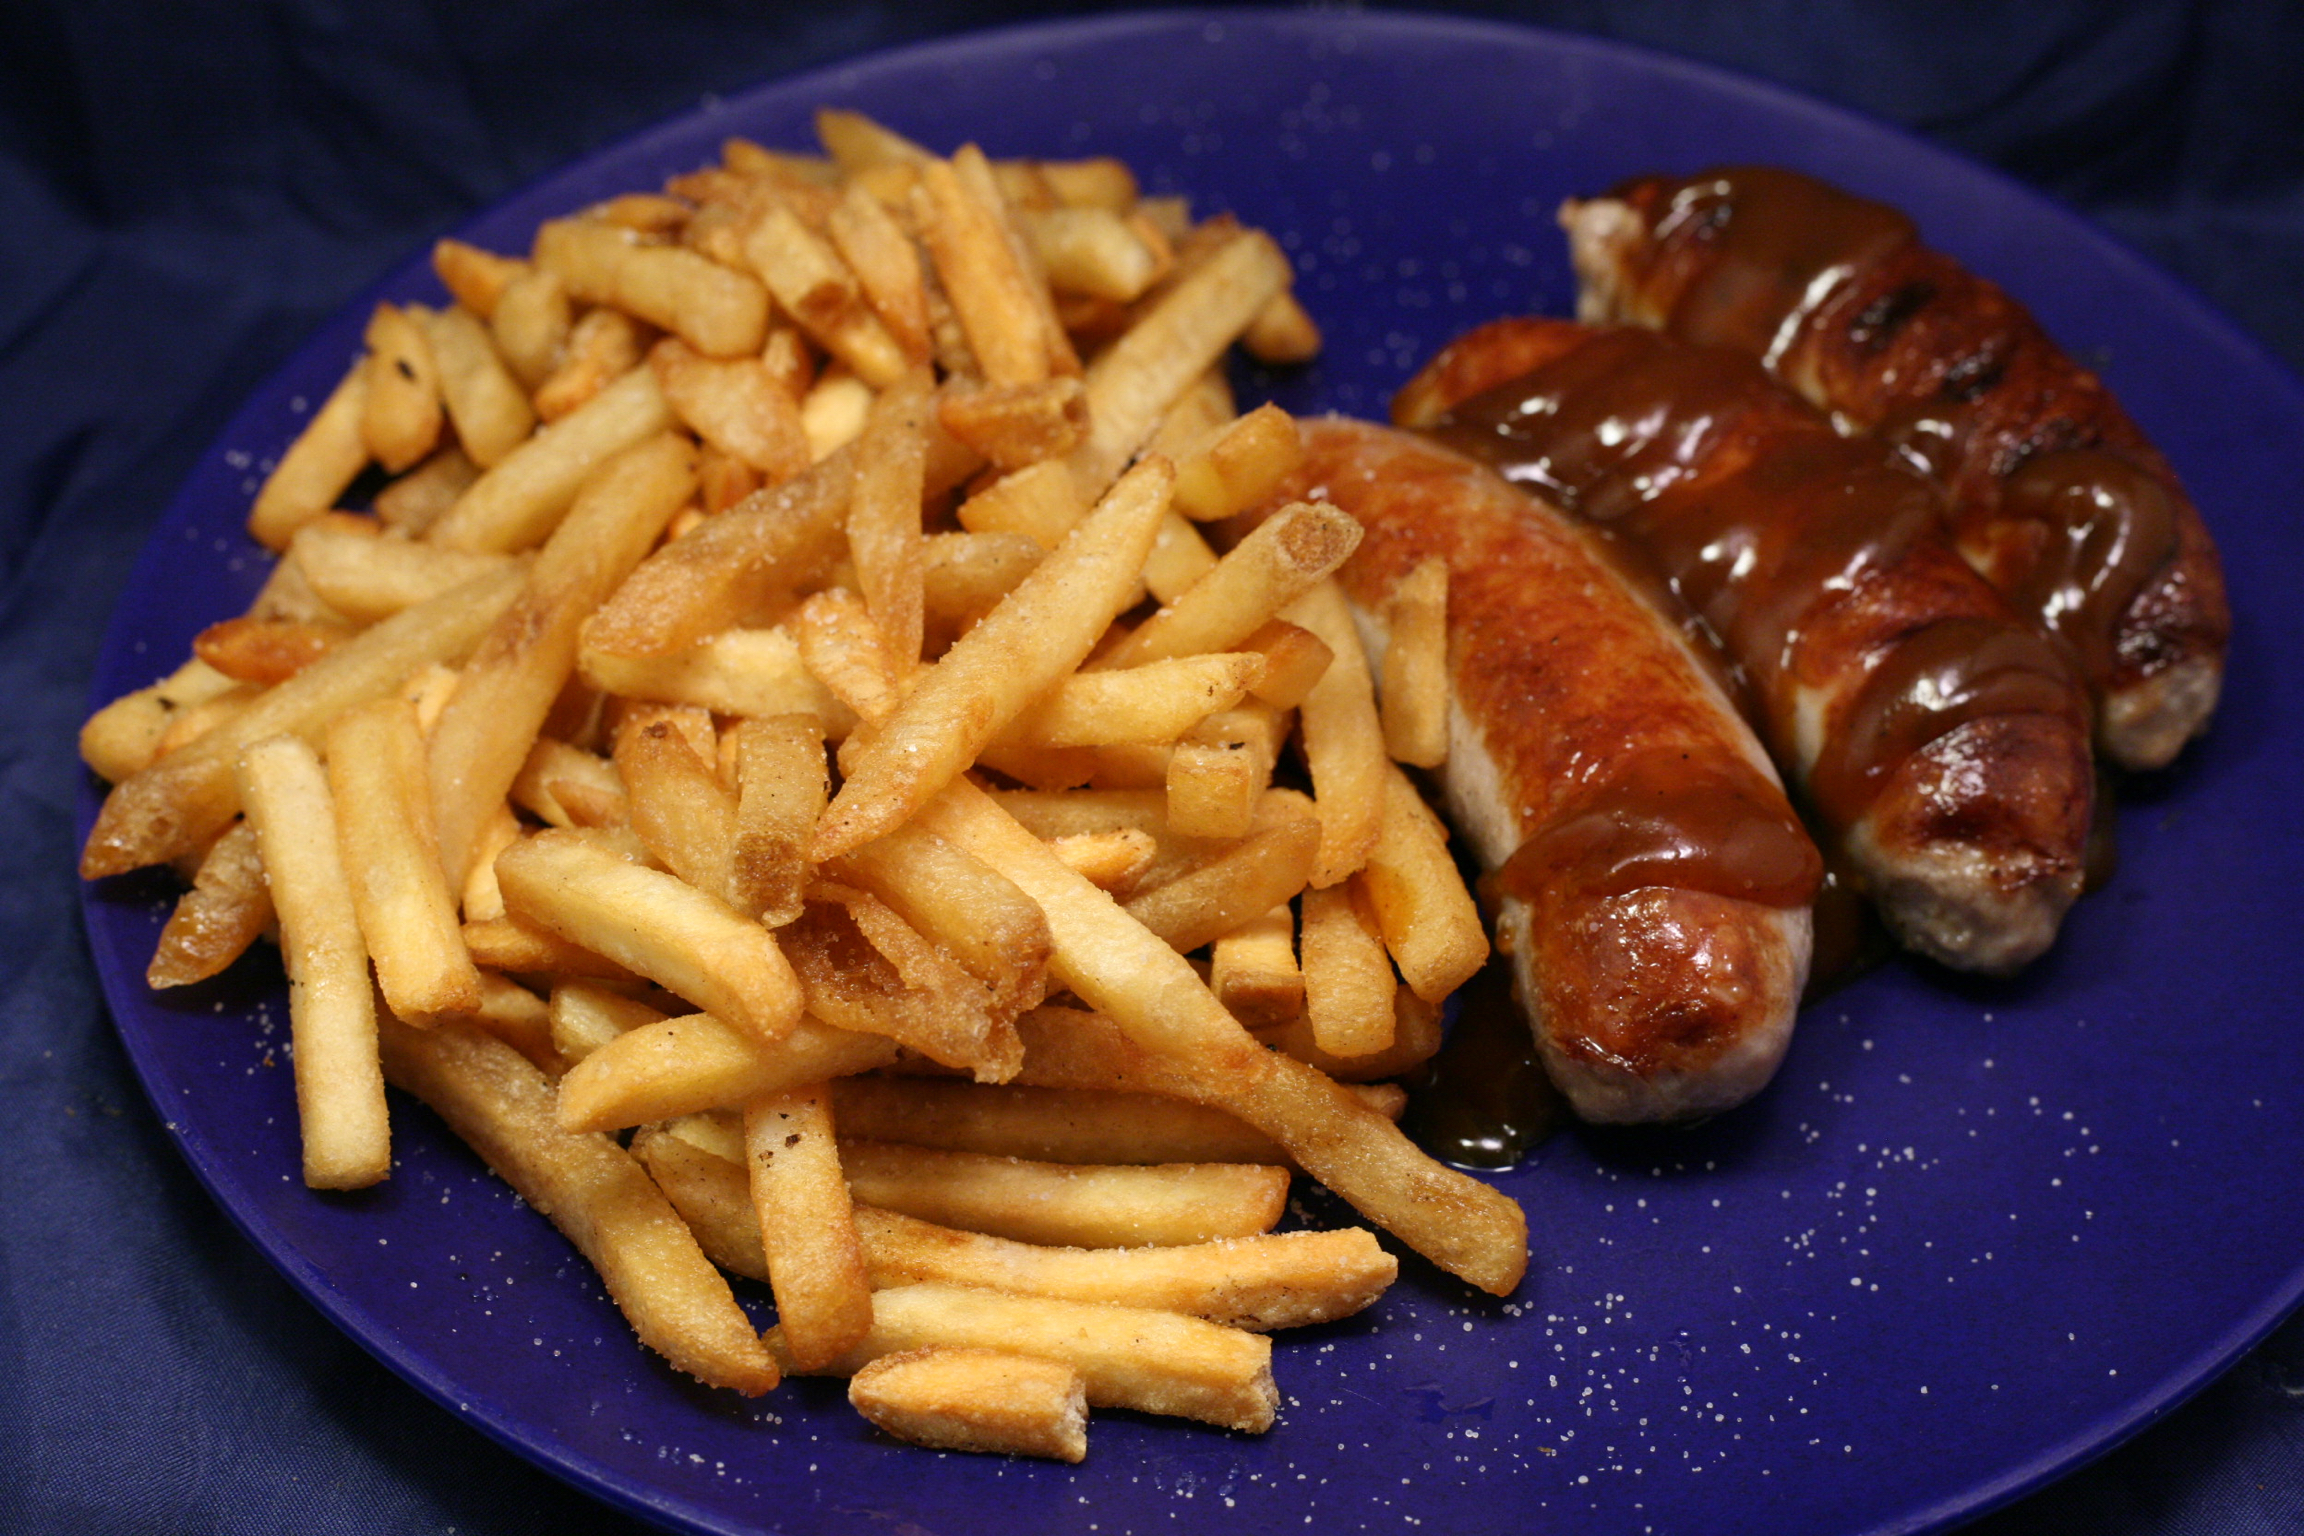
(517, 503)
(384, 825)
(325, 458)
(1286, 556)
(1415, 681)
(884, 536)
(593, 1192)
(1108, 1206)
(1348, 982)
(1428, 919)
(1343, 742)
(695, 1062)
(227, 909)
(485, 403)
(331, 1010)
(976, 1400)
(1239, 466)
(400, 419)
(823, 1300)
(718, 311)
(1253, 971)
(783, 784)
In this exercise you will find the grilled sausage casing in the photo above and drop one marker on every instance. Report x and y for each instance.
(1936, 737)
(2058, 499)
(1651, 881)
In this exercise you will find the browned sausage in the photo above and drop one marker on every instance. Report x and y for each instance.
(1940, 740)
(1650, 878)
(2058, 499)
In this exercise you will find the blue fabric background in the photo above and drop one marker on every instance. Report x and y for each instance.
(187, 188)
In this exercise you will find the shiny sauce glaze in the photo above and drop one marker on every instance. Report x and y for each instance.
(2054, 502)
(1760, 518)
(1483, 1101)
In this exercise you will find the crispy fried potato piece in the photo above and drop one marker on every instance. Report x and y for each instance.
(485, 403)
(715, 309)
(976, 1400)
(1253, 971)
(693, 945)
(783, 784)
(1155, 1362)
(186, 798)
(1037, 634)
(340, 1111)
(1239, 465)
(400, 418)
(1418, 898)
(807, 1231)
(227, 909)
(736, 404)
(695, 1062)
(476, 278)
(593, 1191)
(586, 1015)
(325, 458)
(1414, 685)
(125, 735)
(1047, 1124)
(884, 532)
(367, 578)
(383, 799)
(484, 733)
(1096, 1206)
(1348, 981)
(863, 968)
(1343, 740)
(1264, 870)
(519, 502)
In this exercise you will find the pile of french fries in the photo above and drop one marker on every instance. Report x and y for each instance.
(767, 767)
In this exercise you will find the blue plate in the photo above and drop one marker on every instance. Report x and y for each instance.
(1974, 1234)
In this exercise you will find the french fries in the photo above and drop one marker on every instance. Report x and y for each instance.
(796, 463)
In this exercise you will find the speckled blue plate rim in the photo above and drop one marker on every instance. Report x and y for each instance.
(336, 341)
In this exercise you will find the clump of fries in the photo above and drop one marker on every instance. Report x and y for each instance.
(903, 459)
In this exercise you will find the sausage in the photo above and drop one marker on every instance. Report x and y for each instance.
(2057, 497)
(1939, 741)
(1649, 879)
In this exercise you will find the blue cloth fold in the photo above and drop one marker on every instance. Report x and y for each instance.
(187, 189)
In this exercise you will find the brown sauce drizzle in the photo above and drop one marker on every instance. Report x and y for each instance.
(1484, 1101)
(1850, 939)
(1659, 440)
(2106, 527)
(1664, 820)
(1786, 244)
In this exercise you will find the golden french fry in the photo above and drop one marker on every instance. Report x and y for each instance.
(1239, 465)
(485, 403)
(516, 1016)
(1213, 786)
(484, 734)
(884, 534)
(1037, 634)
(1415, 1037)
(1158, 701)
(722, 480)
(1348, 981)
(1253, 971)
(1091, 250)
(1155, 1362)
(736, 404)
(1282, 333)
(857, 143)
(1429, 920)
(125, 735)
(383, 798)
(476, 277)
(1294, 659)
(593, 1192)
(1264, 870)
(585, 1015)
(718, 311)
(1260, 1283)
(325, 458)
(976, 1400)
(989, 925)
(1039, 501)
(483, 898)
(823, 1300)
(227, 909)
(691, 944)
(184, 799)
(265, 651)
(833, 411)
(531, 324)
(1187, 329)
(1113, 861)
(412, 503)
(506, 943)
(684, 818)
(695, 1062)
(887, 266)
(1017, 424)
(783, 783)
(721, 572)
(964, 575)
(565, 786)
(519, 502)
(1414, 686)
(1343, 741)
(813, 285)
(748, 672)
(340, 1112)
(863, 968)
(1051, 1125)
(400, 418)
(367, 578)
(601, 347)
(1286, 556)
(964, 223)
(1459, 1223)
